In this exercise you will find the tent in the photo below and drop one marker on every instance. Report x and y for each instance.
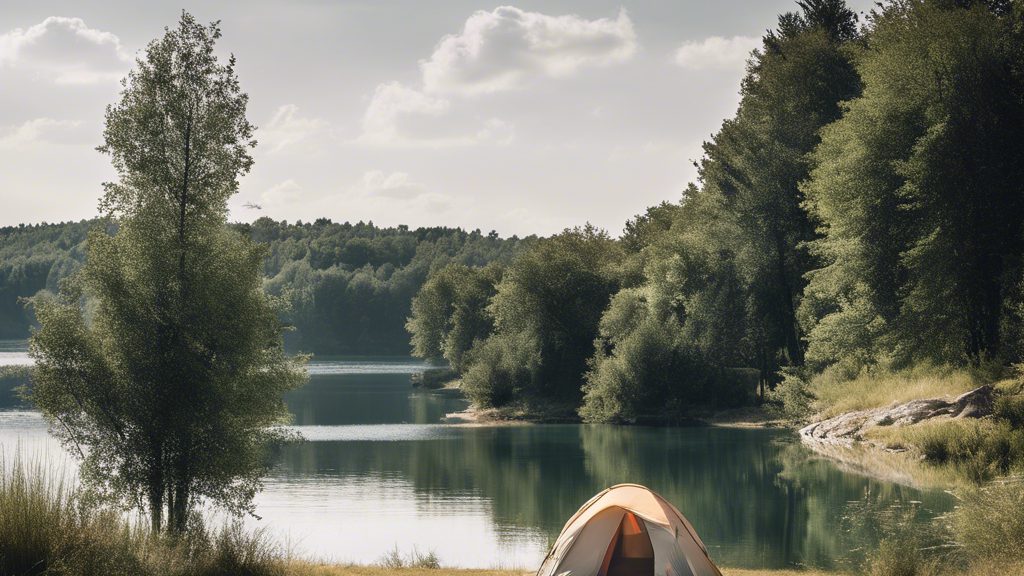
(628, 530)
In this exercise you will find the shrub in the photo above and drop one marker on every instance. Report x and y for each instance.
(793, 395)
(648, 372)
(433, 378)
(504, 368)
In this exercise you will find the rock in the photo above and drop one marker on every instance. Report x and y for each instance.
(850, 427)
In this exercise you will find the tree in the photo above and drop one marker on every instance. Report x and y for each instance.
(918, 189)
(449, 313)
(546, 314)
(794, 86)
(169, 384)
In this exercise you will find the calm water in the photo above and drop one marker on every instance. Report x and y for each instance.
(379, 470)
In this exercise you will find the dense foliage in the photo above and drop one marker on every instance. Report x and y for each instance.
(863, 207)
(349, 286)
(33, 259)
(168, 382)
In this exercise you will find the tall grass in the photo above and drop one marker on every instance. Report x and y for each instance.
(395, 559)
(47, 528)
(836, 394)
(44, 528)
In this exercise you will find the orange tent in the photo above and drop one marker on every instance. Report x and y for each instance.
(628, 530)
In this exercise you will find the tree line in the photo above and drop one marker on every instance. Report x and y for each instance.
(862, 209)
(348, 286)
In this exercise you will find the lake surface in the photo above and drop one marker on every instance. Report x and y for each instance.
(379, 469)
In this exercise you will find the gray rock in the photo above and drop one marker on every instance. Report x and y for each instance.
(850, 427)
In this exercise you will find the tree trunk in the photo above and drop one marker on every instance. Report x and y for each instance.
(794, 350)
(156, 500)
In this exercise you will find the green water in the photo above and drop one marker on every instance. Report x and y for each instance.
(379, 470)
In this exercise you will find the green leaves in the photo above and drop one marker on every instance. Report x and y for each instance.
(918, 189)
(171, 387)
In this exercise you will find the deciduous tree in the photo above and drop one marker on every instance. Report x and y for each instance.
(170, 387)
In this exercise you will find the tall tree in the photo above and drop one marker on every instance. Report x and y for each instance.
(546, 312)
(168, 388)
(919, 191)
(793, 87)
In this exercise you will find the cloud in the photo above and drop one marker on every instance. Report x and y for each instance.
(716, 53)
(42, 131)
(503, 49)
(403, 117)
(498, 131)
(287, 129)
(496, 51)
(390, 103)
(395, 185)
(66, 51)
(287, 192)
(398, 191)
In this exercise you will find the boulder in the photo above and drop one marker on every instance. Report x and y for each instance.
(850, 427)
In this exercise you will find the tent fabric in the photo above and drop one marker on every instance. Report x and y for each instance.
(635, 515)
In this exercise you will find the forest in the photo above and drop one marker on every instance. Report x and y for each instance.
(862, 211)
(349, 286)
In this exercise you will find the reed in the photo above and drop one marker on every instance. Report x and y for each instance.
(48, 527)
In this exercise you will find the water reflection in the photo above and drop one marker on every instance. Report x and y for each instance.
(737, 487)
(379, 469)
(14, 353)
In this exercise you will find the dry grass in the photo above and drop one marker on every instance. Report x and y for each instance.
(835, 395)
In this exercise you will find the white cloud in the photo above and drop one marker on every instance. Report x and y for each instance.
(287, 192)
(66, 51)
(503, 49)
(716, 53)
(42, 131)
(496, 51)
(287, 129)
(394, 106)
(390, 102)
(498, 131)
(397, 191)
(395, 185)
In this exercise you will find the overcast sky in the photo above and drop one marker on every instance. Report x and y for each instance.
(524, 119)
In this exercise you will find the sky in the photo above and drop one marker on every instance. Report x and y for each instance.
(524, 119)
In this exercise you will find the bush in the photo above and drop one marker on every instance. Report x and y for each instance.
(793, 395)
(504, 368)
(648, 373)
(433, 378)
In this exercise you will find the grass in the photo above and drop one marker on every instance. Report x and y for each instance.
(990, 522)
(833, 394)
(48, 527)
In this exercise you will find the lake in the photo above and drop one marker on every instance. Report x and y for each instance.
(379, 469)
